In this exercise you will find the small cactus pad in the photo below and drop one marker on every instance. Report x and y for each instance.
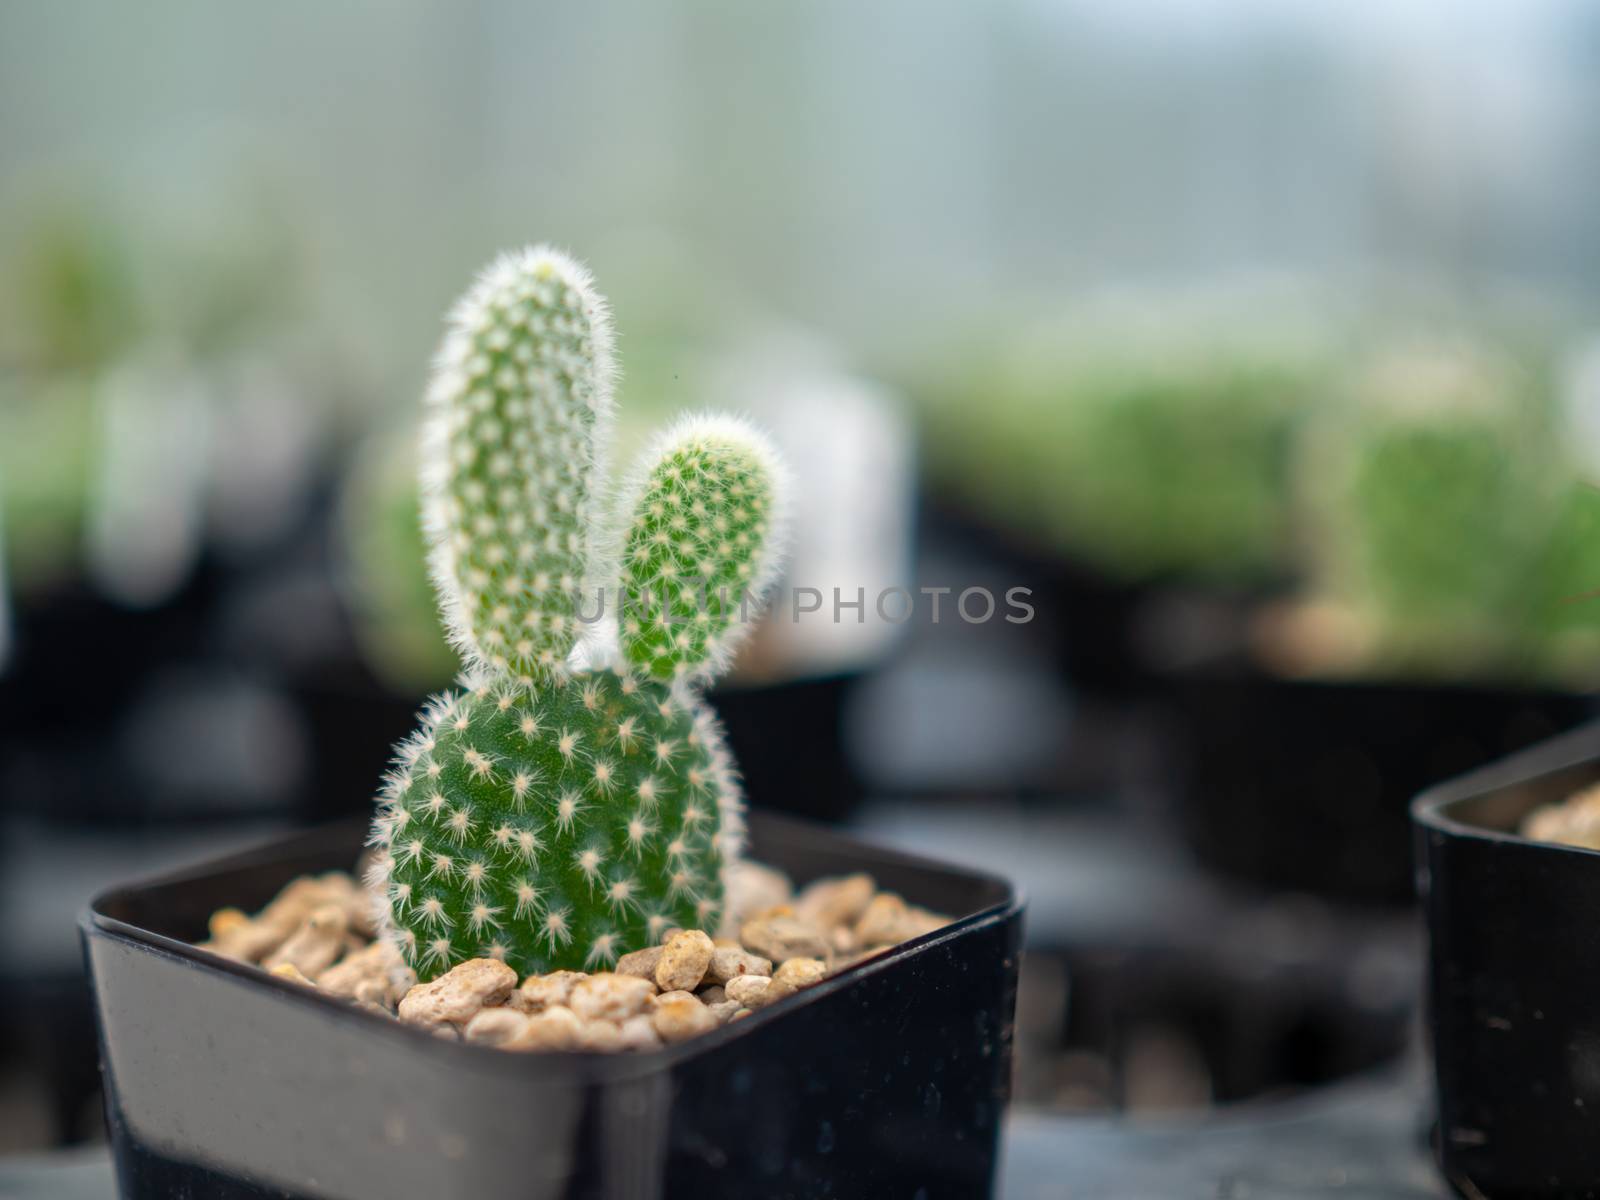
(556, 827)
(697, 551)
(519, 398)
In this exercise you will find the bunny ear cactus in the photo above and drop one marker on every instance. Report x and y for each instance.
(549, 813)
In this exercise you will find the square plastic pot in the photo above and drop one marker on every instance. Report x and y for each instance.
(1514, 978)
(889, 1079)
(1304, 785)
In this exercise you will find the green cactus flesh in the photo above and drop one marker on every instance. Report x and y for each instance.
(547, 815)
(522, 381)
(555, 825)
(694, 550)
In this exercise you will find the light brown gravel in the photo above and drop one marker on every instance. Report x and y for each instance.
(459, 994)
(1575, 821)
(318, 933)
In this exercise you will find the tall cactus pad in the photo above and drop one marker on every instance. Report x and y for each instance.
(698, 548)
(555, 827)
(521, 394)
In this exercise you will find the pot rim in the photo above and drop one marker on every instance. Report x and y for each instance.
(1437, 809)
(572, 1066)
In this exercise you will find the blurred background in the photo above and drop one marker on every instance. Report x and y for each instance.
(1259, 341)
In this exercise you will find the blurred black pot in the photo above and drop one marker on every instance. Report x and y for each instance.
(1089, 619)
(1513, 977)
(1304, 784)
(788, 739)
(1275, 1005)
(889, 1079)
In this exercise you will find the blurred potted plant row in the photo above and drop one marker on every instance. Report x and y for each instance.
(173, 417)
(1344, 563)
(1374, 543)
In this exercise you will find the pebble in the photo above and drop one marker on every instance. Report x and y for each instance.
(292, 973)
(602, 1037)
(749, 990)
(611, 997)
(459, 994)
(680, 1019)
(496, 1027)
(684, 959)
(375, 963)
(317, 944)
(752, 887)
(800, 973)
(723, 1010)
(887, 920)
(829, 903)
(639, 1033)
(641, 962)
(782, 937)
(539, 992)
(729, 962)
(379, 993)
(555, 1028)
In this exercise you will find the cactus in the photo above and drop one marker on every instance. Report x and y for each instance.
(572, 799)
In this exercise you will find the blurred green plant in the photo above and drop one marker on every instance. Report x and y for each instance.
(47, 430)
(88, 286)
(73, 300)
(393, 608)
(1447, 524)
(1144, 460)
(1562, 601)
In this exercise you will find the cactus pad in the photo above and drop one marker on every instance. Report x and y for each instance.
(558, 824)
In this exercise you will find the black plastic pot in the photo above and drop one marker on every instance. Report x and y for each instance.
(1087, 619)
(1304, 784)
(1148, 1029)
(789, 741)
(1514, 978)
(221, 1081)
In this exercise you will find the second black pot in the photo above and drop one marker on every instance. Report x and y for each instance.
(1514, 981)
(1304, 784)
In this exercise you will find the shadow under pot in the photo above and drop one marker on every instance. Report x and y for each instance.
(1514, 980)
(889, 1078)
(1304, 784)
